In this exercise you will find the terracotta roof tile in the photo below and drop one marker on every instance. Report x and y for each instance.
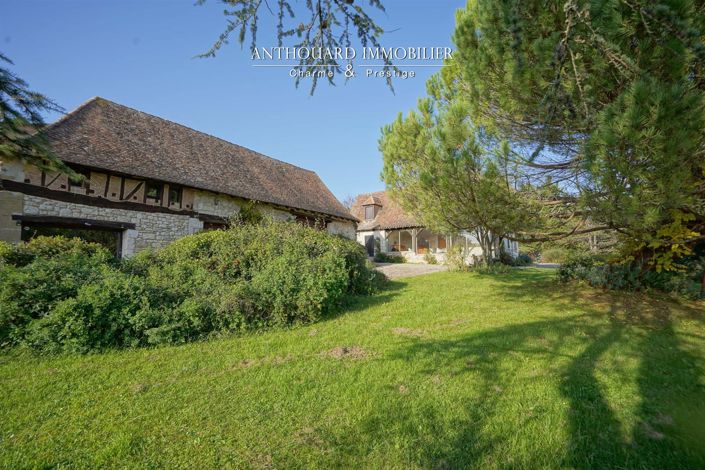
(390, 216)
(372, 200)
(106, 135)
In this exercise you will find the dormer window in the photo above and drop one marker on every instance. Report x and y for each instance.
(372, 207)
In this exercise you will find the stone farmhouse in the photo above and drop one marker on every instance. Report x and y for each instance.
(149, 181)
(385, 227)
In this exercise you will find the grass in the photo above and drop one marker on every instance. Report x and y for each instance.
(441, 371)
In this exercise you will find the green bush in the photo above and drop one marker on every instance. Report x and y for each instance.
(494, 268)
(505, 258)
(101, 314)
(555, 254)
(5, 250)
(455, 259)
(71, 296)
(522, 259)
(50, 248)
(576, 266)
(37, 275)
(430, 258)
(634, 276)
(386, 258)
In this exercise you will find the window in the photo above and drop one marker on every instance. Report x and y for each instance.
(369, 212)
(175, 195)
(153, 191)
(80, 184)
(310, 221)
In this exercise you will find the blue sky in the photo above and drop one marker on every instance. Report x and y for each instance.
(140, 53)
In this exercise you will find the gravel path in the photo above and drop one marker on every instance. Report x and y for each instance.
(399, 270)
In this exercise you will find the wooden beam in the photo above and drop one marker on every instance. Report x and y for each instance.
(73, 222)
(93, 201)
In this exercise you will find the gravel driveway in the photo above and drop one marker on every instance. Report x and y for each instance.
(399, 270)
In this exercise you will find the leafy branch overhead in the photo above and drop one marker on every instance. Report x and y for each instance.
(21, 122)
(312, 24)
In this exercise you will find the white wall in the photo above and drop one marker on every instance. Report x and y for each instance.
(378, 234)
(345, 229)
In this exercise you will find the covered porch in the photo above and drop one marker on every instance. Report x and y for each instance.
(416, 242)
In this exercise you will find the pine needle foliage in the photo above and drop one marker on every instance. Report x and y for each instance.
(21, 122)
(600, 105)
(607, 95)
(324, 24)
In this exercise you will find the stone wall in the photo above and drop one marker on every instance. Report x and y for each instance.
(10, 203)
(221, 205)
(276, 214)
(345, 229)
(152, 229)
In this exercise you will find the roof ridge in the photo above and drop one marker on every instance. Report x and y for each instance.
(73, 112)
(267, 179)
(384, 191)
(97, 99)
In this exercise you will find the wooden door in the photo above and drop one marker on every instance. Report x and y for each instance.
(370, 244)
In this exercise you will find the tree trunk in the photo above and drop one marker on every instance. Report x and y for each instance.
(486, 245)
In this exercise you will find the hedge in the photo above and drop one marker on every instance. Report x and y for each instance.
(59, 294)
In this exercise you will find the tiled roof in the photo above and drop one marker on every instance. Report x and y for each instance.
(106, 135)
(390, 216)
(372, 200)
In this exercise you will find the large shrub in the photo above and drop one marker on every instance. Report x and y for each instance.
(50, 248)
(555, 254)
(100, 315)
(522, 259)
(576, 266)
(57, 295)
(382, 257)
(635, 276)
(455, 258)
(35, 276)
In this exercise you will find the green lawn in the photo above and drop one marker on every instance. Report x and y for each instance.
(441, 371)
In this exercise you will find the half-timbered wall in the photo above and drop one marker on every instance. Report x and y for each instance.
(157, 220)
(112, 187)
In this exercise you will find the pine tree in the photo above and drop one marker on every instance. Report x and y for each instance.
(21, 123)
(438, 166)
(324, 24)
(606, 96)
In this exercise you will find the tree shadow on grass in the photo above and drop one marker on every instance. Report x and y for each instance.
(357, 303)
(578, 357)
